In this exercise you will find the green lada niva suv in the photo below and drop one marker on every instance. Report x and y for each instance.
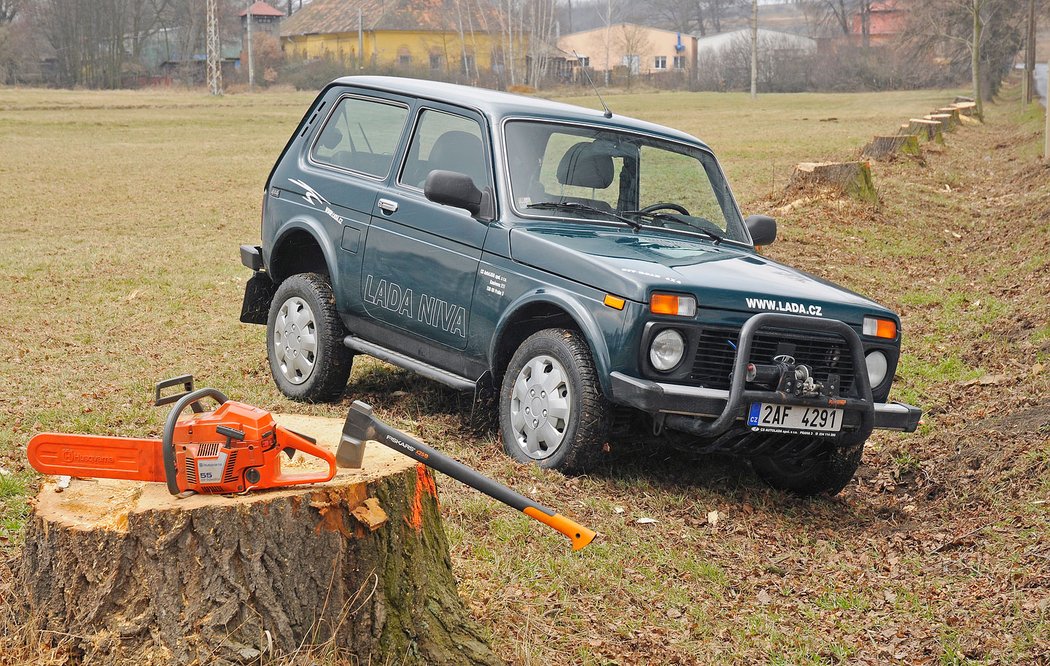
(579, 263)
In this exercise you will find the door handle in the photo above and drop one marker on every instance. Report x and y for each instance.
(388, 206)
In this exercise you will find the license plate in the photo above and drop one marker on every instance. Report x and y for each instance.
(792, 418)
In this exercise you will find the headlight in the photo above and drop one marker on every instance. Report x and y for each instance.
(667, 349)
(877, 367)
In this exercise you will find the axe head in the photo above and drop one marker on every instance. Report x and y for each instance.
(358, 428)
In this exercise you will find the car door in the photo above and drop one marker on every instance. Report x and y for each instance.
(346, 162)
(421, 258)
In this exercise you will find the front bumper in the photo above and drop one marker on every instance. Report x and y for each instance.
(684, 406)
(696, 401)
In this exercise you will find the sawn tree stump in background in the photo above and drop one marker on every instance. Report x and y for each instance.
(929, 130)
(851, 178)
(887, 146)
(131, 575)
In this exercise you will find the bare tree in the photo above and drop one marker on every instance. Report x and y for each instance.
(987, 33)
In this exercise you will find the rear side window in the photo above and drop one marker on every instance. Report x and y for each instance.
(361, 135)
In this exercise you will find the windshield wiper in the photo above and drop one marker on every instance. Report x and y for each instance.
(584, 208)
(668, 217)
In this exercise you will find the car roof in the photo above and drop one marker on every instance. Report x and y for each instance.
(498, 105)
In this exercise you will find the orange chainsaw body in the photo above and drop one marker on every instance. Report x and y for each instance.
(234, 449)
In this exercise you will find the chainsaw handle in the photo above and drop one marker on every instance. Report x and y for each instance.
(168, 438)
(289, 439)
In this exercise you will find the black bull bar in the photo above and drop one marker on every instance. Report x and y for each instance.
(682, 405)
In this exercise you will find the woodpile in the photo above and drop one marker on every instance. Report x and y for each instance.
(124, 573)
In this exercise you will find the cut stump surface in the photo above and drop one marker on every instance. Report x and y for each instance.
(124, 573)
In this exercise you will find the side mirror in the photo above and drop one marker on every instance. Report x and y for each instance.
(763, 229)
(451, 188)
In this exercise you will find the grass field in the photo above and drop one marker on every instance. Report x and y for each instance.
(118, 252)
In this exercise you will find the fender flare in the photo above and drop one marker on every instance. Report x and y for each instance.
(578, 312)
(315, 230)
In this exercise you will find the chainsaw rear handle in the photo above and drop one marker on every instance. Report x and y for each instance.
(361, 425)
(291, 439)
(168, 438)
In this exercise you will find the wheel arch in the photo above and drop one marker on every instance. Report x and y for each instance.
(541, 309)
(300, 248)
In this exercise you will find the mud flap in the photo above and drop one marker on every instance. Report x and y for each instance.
(258, 293)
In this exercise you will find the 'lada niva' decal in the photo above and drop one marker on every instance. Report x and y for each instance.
(784, 306)
(314, 198)
(432, 311)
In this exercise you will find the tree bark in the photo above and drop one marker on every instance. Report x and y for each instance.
(123, 573)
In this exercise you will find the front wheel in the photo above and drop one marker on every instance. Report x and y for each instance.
(304, 340)
(552, 410)
(825, 471)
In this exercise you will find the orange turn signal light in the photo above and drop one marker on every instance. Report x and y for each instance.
(672, 304)
(880, 328)
(614, 302)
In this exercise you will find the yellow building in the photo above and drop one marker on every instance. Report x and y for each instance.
(448, 36)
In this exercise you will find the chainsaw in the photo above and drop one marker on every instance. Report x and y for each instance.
(233, 449)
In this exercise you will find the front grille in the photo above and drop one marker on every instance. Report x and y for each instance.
(825, 354)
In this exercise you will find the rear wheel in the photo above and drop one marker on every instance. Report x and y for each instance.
(304, 340)
(825, 471)
(552, 410)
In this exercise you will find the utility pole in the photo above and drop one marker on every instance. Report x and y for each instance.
(214, 50)
(1029, 57)
(754, 49)
(251, 63)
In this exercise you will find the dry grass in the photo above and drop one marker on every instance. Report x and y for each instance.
(118, 251)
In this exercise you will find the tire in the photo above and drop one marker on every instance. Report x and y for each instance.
(570, 426)
(303, 308)
(824, 472)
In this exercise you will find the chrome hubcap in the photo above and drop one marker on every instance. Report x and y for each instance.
(540, 407)
(295, 340)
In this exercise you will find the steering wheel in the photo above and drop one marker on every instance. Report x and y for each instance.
(664, 205)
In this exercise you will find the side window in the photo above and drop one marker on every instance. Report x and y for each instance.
(445, 141)
(361, 135)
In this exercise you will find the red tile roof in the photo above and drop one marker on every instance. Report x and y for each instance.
(260, 8)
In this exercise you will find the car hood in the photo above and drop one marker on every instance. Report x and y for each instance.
(634, 264)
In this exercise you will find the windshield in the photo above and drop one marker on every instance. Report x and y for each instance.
(570, 171)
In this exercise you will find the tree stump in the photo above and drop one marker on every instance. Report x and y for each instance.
(882, 147)
(930, 130)
(851, 178)
(966, 108)
(944, 119)
(956, 116)
(123, 573)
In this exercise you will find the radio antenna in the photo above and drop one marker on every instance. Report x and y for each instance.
(608, 113)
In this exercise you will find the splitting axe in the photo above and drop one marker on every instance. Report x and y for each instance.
(361, 425)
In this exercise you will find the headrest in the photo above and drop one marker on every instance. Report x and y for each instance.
(583, 166)
(459, 151)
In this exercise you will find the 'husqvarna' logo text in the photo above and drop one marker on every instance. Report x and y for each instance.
(432, 311)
